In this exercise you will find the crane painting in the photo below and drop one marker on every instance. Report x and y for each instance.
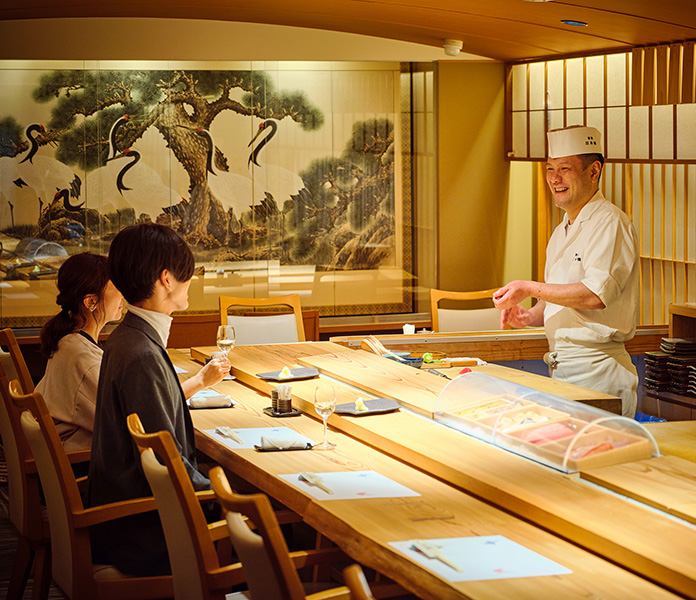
(225, 192)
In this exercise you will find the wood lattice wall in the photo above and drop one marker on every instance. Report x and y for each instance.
(643, 103)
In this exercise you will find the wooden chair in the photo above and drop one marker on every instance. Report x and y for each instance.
(472, 319)
(26, 514)
(196, 569)
(357, 584)
(269, 567)
(73, 570)
(266, 329)
(8, 339)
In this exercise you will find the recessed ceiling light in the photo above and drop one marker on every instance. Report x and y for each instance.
(574, 23)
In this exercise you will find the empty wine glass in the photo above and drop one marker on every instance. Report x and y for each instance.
(324, 405)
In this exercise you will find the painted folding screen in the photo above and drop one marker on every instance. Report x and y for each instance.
(283, 177)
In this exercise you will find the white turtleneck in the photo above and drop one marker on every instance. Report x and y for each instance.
(160, 322)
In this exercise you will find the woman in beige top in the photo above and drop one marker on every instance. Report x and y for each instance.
(88, 301)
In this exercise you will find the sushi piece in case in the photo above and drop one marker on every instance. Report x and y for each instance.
(546, 433)
(488, 408)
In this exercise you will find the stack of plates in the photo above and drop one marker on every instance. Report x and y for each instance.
(692, 380)
(679, 373)
(668, 370)
(656, 371)
(679, 346)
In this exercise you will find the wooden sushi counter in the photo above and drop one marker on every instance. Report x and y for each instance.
(513, 344)
(541, 508)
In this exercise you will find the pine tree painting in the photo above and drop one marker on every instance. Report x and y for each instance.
(338, 214)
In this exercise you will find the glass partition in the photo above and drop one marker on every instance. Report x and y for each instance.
(563, 434)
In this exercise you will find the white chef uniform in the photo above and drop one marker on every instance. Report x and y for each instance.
(599, 249)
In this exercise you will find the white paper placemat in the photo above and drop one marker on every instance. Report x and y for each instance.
(352, 485)
(483, 558)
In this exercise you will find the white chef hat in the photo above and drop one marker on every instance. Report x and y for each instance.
(574, 140)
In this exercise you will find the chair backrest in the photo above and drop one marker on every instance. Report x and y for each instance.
(268, 568)
(23, 480)
(70, 546)
(267, 329)
(474, 319)
(8, 339)
(191, 550)
(354, 579)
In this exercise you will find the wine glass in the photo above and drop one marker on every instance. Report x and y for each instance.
(324, 405)
(225, 338)
(225, 342)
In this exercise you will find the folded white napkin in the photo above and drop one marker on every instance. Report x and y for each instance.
(209, 399)
(283, 441)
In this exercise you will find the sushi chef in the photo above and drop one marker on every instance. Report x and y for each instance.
(588, 304)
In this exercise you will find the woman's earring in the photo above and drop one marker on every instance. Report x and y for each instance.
(91, 308)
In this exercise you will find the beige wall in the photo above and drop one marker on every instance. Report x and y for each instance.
(519, 239)
(473, 176)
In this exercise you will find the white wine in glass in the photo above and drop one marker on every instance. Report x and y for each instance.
(225, 338)
(324, 405)
(225, 343)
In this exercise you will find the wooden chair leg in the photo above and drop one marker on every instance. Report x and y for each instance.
(24, 556)
(322, 572)
(42, 572)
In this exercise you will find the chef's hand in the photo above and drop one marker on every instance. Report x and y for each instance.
(511, 294)
(516, 317)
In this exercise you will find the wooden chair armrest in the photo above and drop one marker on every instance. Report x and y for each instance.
(113, 510)
(339, 593)
(227, 576)
(79, 456)
(206, 496)
(309, 558)
(283, 517)
(218, 530)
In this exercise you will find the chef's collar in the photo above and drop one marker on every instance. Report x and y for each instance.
(160, 322)
(586, 211)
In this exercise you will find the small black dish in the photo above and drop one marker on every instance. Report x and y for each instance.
(374, 406)
(416, 363)
(300, 373)
(272, 413)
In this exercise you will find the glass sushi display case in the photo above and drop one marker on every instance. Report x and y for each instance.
(563, 434)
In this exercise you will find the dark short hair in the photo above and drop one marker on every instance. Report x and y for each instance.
(80, 275)
(140, 253)
(588, 159)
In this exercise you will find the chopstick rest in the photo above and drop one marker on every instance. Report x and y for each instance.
(228, 432)
(315, 480)
(430, 550)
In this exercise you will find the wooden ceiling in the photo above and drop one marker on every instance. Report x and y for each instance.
(508, 30)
